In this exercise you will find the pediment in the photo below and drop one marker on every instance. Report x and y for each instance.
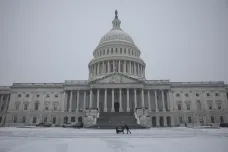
(117, 78)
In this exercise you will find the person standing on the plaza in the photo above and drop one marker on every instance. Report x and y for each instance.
(127, 128)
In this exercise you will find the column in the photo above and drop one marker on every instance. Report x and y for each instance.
(142, 96)
(112, 110)
(138, 71)
(130, 67)
(103, 69)
(119, 67)
(91, 99)
(121, 110)
(84, 104)
(71, 97)
(171, 101)
(163, 102)
(7, 103)
(156, 100)
(128, 108)
(148, 93)
(98, 98)
(135, 98)
(78, 94)
(135, 69)
(108, 67)
(94, 69)
(124, 66)
(113, 66)
(63, 100)
(98, 68)
(105, 102)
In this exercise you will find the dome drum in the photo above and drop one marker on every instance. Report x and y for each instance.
(121, 66)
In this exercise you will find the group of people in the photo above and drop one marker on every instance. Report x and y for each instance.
(119, 130)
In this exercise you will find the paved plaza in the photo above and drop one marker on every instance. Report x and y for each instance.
(86, 140)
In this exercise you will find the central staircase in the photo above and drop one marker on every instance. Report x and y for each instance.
(109, 120)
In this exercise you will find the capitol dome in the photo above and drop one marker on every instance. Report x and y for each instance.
(116, 35)
(116, 53)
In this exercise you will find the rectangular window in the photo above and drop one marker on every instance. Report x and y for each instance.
(219, 106)
(181, 120)
(36, 106)
(55, 107)
(17, 106)
(53, 120)
(179, 106)
(221, 119)
(15, 119)
(210, 106)
(25, 106)
(189, 119)
(188, 106)
(212, 119)
(45, 119)
(34, 120)
(23, 119)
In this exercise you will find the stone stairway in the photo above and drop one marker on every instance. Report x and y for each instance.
(109, 120)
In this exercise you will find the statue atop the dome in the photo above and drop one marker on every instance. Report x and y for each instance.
(116, 14)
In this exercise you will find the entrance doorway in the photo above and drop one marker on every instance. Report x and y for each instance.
(168, 121)
(116, 106)
(161, 122)
(154, 121)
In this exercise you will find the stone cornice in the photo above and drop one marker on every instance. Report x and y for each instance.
(37, 85)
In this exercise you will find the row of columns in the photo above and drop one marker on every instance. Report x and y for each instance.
(120, 100)
(119, 51)
(118, 66)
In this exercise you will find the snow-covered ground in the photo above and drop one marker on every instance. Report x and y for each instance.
(87, 140)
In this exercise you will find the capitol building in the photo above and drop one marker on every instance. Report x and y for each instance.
(116, 91)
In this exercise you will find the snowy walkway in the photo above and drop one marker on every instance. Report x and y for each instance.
(87, 140)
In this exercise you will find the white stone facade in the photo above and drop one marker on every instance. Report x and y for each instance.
(116, 83)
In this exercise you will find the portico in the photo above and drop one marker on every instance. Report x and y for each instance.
(121, 99)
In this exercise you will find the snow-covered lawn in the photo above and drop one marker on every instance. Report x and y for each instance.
(87, 140)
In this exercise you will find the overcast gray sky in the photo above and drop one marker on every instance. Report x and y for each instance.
(53, 40)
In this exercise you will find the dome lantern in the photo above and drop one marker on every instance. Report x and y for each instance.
(116, 22)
